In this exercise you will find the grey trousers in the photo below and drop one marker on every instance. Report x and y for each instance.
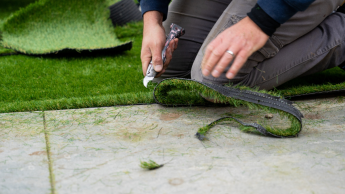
(310, 42)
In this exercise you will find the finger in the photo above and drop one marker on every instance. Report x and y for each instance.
(176, 43)
(214, 56)
(168, 57)
(167, 61)
(145, 60)
(157, 58)
(240, 59)
(145, 64)
(226, 59)
(160, 73)
(172, 45)
(207, 54)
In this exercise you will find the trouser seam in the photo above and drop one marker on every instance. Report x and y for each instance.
(337, 43)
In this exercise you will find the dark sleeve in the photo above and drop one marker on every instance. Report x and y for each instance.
(283, 10)
(155, 5)
(265, 22)
(269, 14)
(341, 9)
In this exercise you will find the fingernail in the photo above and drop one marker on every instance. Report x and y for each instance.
(205, 72)
(158, 68)
(215, 73)
(230, 75)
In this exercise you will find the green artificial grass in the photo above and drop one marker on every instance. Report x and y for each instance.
(48, 26)
(186, 92)
(5, 51)
(111, 2)
(29, 83)
(8, 7)
(150, 165)
(328, 80)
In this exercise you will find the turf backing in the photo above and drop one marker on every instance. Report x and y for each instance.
(48, 26)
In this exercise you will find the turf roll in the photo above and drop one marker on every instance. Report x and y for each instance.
(185, 92)
(52, 26)
(123, 12)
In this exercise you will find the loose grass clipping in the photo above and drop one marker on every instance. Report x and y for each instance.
(150, 165)
(49, 26)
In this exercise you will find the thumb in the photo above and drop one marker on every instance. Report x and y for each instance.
(157, 60)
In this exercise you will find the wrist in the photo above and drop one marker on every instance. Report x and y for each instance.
(250, 27)
(265, 22)
(153, 22)
(153, 17)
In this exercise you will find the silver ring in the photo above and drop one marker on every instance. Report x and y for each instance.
(231, 53)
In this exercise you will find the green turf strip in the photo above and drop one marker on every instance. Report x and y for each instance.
(111, 2)
(7, 7)
(187, 92)
(328, 80)
(75, 102)
(5, 51)
(50, 83)
(48, 26)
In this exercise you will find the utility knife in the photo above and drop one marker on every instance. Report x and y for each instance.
(175, 32)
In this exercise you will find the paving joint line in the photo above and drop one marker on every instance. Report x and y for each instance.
(50, 163)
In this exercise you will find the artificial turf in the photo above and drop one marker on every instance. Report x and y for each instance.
(29, 83)
(328, 80)
(48, 83)
(48, 26)
(7, 8)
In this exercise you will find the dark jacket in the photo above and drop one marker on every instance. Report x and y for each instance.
(279, 10)
(267, 14)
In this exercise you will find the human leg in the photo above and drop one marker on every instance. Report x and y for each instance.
(299, 25)
(320, 49)
(198, 18)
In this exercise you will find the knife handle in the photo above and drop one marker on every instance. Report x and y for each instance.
(176, 31)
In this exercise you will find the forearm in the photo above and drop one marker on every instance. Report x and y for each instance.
(153, 17)
(152, 21)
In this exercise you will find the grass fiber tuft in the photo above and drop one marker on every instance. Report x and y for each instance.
(150, 165)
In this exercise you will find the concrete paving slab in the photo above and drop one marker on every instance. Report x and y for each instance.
(99, 150)
(23, 156)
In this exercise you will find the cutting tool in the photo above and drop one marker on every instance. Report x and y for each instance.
(175, 32)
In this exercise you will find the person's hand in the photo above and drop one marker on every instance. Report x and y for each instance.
(243, 39)
(153, 43)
